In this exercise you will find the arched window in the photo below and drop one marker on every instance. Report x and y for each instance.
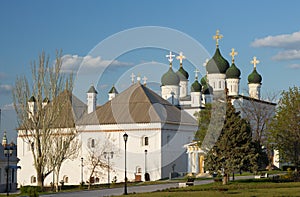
(33, 179)
(93, 143)
(146, 141)
(66, 179)
(97, 180)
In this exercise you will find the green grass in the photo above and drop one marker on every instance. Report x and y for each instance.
(239, 188)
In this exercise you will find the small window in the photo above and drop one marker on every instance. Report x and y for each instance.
(33, 179)
(146, 141)
(93, 143)
(66, 179)
(220, 84)
(97, 180)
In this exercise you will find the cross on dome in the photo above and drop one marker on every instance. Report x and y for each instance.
(145, 80)
(180, 57)
(196, 73)
(138, 78)
(232, 54)
(170, 58)
(217, 37)
(254, 61)
(132, 78)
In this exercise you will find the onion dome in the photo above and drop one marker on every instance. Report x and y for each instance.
(113, 90)
(254, 77)
(233, 72)
(207, 89)
(182, 74)
(217, 64)
(196, 86)
(92, 90)
(204, 80)
(170, 78)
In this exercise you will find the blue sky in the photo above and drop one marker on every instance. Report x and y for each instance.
(266, 29)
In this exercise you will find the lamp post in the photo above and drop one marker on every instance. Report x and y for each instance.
(7, 152)
(81, 171)
(125, 137)
(146, 161)
(108, 155)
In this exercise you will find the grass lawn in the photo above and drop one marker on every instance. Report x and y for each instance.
(238, 188)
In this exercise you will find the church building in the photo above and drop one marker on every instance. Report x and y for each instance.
(160, 128)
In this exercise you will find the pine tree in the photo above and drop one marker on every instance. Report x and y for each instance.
(234, 149)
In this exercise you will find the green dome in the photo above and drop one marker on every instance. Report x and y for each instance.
(254, 77)
(196, 86)
(233, 72)
(182, 74)
(207, 89)
(204, 80)
(217, 64)
(170, 78)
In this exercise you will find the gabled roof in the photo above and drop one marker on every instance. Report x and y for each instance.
(138, 104)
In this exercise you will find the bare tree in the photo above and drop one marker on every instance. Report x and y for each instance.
(65, 146)
(258, 113)
(39, 119)
(95, 158)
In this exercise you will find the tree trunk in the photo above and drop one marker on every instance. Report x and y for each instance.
(40, 180)
(225, 179)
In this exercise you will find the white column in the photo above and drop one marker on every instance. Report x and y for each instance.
(189, 162)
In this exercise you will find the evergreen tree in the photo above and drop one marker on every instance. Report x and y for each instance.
(234, 149)
(203, 118)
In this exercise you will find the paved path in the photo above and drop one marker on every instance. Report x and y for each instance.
(136, 189)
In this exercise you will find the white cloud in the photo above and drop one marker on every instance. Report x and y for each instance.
(72, 63)
(287, 55)
(5, 89)
(294, 66)
(8, 107)
(286, 41)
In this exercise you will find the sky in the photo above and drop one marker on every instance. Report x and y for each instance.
(96, 34)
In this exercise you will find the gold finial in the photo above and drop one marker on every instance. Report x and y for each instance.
(145, 80)
(138, 78)
(232, 54)
(132, 78)
(254, 62)
(205, 63)
(170, 58)
(196, 73)
(180, 58)
(217, 37)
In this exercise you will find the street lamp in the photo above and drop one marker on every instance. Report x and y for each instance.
(125, 137)
(7, 152)
(81, 171)
(145, 163)
(108, 155)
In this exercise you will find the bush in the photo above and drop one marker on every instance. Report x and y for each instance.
(31, 191)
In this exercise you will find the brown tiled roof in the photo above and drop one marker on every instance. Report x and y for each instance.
(137, 104)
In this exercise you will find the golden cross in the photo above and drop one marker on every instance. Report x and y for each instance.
(145, 80)
(170, 57)
(132, 78)
(217, 37)
(180, 58)
(232, 54)
(254, 62)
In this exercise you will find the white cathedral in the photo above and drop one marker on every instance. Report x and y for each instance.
(160, 128)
